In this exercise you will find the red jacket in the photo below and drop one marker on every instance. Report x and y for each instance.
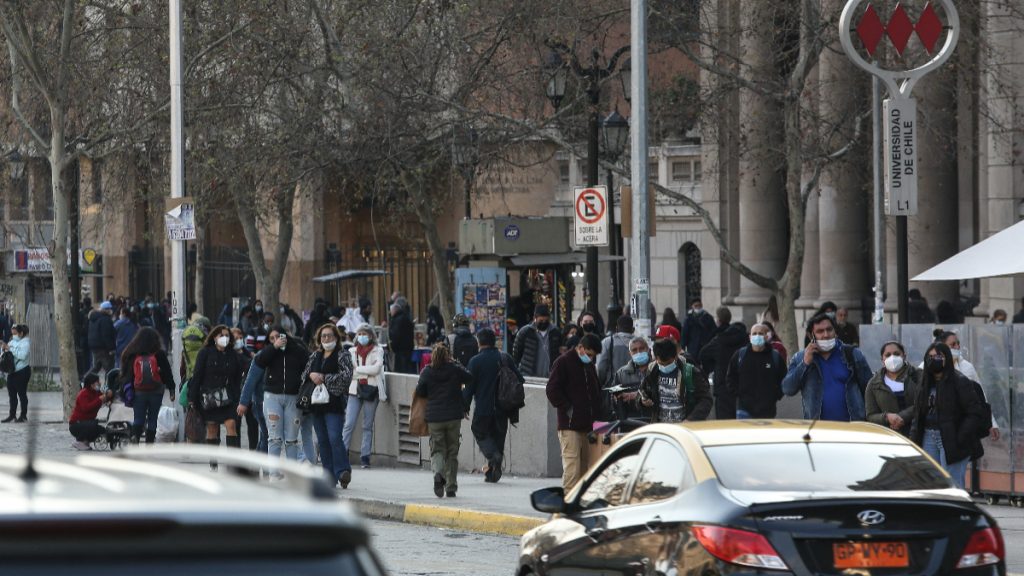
(573, 389)
(87, 405)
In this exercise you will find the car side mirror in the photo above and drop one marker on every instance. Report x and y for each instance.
(549, 500)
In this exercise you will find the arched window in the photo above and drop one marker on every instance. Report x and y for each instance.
(689, 274)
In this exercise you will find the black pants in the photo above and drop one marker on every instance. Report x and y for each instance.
(252, 428)
(17, 389)
(490, 432)
(86, 430)
(404, 363)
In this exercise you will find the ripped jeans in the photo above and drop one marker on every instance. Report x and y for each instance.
(283, 418)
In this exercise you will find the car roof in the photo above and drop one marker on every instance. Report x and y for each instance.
(739, 432)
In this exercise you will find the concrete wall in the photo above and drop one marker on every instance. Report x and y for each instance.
(531, 448)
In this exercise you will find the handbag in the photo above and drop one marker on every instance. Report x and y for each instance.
(320, 395)
(183, 394)
(418, 417)
(367, 393)
(305, 397)
(195, 427)
(217, 398)
(7, 362)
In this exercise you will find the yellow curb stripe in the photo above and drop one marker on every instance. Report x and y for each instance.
(470, 520)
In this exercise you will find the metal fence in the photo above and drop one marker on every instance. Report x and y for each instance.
(407, 270)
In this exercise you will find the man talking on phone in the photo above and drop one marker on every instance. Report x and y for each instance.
(829, 375)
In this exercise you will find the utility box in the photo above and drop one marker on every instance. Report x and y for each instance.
(510, 236)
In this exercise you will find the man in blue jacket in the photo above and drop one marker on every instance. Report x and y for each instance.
(829, 375)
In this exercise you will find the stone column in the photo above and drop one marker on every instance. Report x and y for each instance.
(845, 202)
(762, 194)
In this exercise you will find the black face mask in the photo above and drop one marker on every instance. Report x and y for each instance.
(543, 325)
(935, 365)
(588, 328)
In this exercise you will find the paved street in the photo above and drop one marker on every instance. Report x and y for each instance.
(409, 550)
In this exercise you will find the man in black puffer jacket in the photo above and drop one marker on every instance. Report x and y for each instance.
(537, 345)
(714, 359)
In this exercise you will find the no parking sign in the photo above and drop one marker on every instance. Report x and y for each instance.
(590, 216)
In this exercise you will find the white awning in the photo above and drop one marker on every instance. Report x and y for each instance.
(998, 255)
(348, 275)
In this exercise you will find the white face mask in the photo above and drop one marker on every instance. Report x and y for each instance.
(328, 346)
(223, 341)
(894, 363)
(957, 353)
(827, 345)
(239, 344)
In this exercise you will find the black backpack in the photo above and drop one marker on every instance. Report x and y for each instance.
(511, 395)
(464, 347)
(986, 423)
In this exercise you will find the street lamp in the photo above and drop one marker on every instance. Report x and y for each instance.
(466, 154)
(626, 77)
(593, 75)
(615, 129)
(17, 164)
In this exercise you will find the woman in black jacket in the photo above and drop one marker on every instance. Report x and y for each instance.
(216, 386)
(143, 354)
(441, 384)
(331, 366)
(947, 414)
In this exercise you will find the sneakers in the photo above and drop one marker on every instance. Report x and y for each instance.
(492, 472)
(81, 446)
(364, 461)
(438, 485)
(450, 493)
(345, 479)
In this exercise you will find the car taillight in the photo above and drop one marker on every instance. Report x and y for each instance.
(739, 547)
(985, 547)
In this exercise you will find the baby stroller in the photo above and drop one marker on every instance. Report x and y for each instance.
(119, 417)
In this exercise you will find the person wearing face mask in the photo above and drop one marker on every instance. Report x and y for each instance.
(947, 414)
(674, 390)
(282, 361)
(490, 421)
(998, 317)
(963, 366)
(574, 391)
(253, 429)
(332, 367)
(615, 350)
(773, 339)
(587, 323)
(82, 424)
(754, 376)
(714, 359)
(537, 344)
(891, 392)
(145, 365)
(366, 391)
(630, 376)
(216, 387)
(17, 381)
(830, 376)
(698, 329)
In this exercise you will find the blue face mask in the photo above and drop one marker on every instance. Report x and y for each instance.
(641, 358)
(757, 340)
(667, 369)
(362, 339)
(585, 359)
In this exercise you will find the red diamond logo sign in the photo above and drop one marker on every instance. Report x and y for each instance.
(899, 29)
(870, 30)
(929, 28)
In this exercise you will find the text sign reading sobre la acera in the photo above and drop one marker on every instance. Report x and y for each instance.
(900, 156)
(591, 216)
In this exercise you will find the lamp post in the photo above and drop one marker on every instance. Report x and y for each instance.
(615, 130)
(561, 58)
(17, 164)
(466, 155)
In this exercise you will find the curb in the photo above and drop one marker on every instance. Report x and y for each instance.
(447, 517)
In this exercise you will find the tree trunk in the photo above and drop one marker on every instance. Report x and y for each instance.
(439, 261)
(268, 279)
(63, 312)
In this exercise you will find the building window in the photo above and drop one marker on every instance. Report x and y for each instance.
(563, 172)
(697, 174)
(681, 171)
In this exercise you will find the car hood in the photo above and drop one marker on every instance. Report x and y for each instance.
(752, 497)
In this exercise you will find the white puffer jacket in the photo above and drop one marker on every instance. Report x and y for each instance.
(372, 370)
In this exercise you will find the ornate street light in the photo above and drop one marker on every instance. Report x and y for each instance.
(626, 77)
(17, 164)
(557, 74)
(616, 135)
(466, 155)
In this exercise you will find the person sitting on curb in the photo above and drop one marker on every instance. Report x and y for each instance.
(83, 424)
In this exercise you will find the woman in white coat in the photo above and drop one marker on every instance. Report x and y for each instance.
(366, 390)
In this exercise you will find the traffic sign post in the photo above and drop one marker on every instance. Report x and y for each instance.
(590, 216)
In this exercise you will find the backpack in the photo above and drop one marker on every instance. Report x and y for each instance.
(463, 347)
(511, 395)
(687, 385)
(619, 350)
(986, 423)
(147, 373)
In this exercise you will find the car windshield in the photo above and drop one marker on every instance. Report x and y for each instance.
(825, 467)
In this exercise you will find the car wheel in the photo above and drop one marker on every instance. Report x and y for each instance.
(992, 499)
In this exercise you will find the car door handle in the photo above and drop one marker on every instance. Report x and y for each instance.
(654, 523)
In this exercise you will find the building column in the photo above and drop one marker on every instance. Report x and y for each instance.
(845, 201)
(762, 195)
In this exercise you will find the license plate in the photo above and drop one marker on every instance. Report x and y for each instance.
(870, 555)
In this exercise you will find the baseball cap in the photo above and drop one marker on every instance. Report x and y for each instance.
(666, 331)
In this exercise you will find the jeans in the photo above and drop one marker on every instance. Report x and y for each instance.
(351, 413)
(308, 448)
(333, 453)
(147, 409)
(933, 446)
(282, 424)
(444, 451)
(490, 432)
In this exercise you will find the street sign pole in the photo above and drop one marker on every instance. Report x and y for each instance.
(177, 184)
(899, 110)
(640, 243)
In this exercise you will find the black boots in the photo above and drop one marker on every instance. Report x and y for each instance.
(236, 442)
(8, 419)
(150, 436)
(233, 442)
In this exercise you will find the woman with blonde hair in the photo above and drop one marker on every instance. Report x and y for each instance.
(366, 390)
(330, 366)
(441, 384)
